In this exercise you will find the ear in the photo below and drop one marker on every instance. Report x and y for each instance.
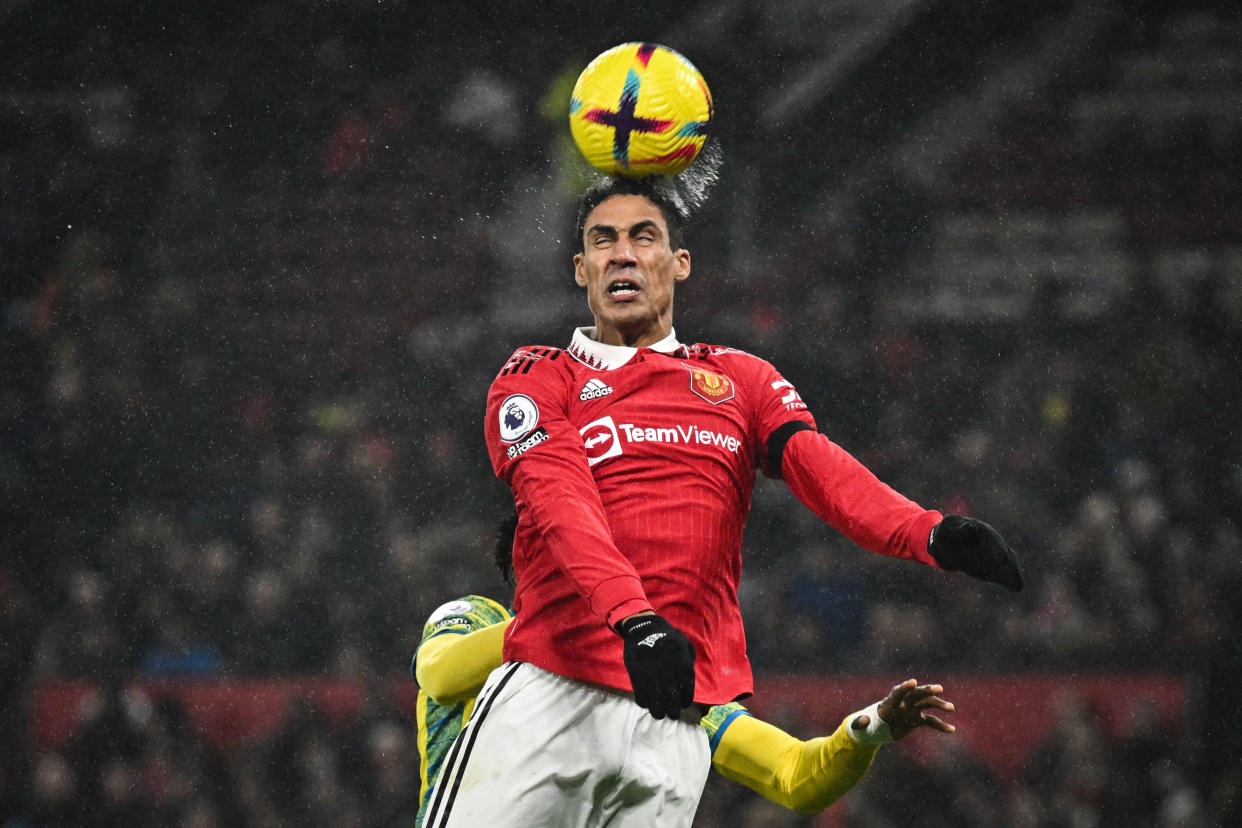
(681, 258)
(579, 276)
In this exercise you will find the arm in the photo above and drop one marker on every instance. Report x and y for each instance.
(830, 482)
(452, 668)
(562, 498)
(848, 497)
(538, 452)
(803, 776)
(852, 500)
(809, 776)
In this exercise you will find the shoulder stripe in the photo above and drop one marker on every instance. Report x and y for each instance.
(524, 358)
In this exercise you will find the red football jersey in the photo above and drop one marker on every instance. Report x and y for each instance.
(632, 471)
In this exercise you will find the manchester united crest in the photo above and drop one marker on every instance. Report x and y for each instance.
(713, 387)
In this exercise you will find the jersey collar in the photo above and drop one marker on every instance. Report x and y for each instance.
(585, 349)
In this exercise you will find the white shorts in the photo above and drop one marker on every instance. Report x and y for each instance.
(543, 750)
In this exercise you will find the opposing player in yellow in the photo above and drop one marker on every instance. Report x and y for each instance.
(461, 644)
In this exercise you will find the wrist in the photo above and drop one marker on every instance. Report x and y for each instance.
(626, 609)
(876, 732)
(926, 526)
(626, 623)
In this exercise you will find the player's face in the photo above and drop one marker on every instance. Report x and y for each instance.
(629, 270)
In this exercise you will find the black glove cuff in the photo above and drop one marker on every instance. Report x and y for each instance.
(640, 625)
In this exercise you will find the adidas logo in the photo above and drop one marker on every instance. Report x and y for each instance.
(594, 389)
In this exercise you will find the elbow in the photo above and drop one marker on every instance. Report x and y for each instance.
(806, 796)
(810, 805)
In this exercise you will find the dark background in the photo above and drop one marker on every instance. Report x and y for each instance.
(259, 263)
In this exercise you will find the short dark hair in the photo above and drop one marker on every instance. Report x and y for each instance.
(502, 554)
(653, 188)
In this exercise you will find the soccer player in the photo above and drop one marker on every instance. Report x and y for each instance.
(462, 642)
(631, 457)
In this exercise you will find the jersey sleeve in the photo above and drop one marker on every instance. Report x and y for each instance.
(847, 496)
(778, 411)
(461, 645)
(803, 776)
(718, 719)
(536, 450)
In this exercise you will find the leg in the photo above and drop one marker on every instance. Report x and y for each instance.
(544, 750)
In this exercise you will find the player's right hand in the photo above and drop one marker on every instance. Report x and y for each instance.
(660, 661)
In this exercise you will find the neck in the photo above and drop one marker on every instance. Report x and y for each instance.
(631, 339)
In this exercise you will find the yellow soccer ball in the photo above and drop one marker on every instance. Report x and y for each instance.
(640, 109)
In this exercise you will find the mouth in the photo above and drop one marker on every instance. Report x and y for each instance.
(622, 289)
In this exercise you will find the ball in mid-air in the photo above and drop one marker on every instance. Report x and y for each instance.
(640, 109)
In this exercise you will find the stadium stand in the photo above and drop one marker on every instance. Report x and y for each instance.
(259, 267)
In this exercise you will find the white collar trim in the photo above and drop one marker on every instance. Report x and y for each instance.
(585, 349)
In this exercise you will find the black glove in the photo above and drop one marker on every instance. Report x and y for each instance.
(977, 549)
(660, 661)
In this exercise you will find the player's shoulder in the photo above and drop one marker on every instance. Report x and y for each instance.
(706, 351)
(728, 359)
(465, 614)
(530, 358)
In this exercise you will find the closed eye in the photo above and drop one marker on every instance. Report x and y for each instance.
(646, 232)
(602, 236)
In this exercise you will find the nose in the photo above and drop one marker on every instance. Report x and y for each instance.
(623, 250)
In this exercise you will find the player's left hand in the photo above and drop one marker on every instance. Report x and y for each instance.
(975, 548)
(906, 708)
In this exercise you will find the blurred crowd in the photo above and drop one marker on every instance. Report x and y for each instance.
(259, 271)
